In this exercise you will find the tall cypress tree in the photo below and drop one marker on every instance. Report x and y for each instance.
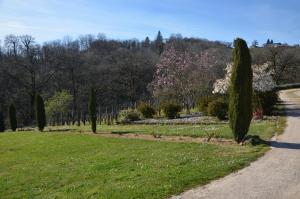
(92, 109)
(240, 92)
(2, 124)
(40, 112)
(12, 117)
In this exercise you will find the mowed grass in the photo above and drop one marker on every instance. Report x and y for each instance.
(73, 165)
(265, 129)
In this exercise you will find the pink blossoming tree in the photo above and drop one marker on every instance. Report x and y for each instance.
(182, 75)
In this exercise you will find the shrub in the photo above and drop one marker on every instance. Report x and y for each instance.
(58, 104)
(258, 114)
(12, 117)
(264, 102)
(127, 116)
(92, 110)
(2, 124)
(171, 110)
(202, 103)
(240, 92)
(268, 100)
(40, 112)
(218, 108)
(146, 110)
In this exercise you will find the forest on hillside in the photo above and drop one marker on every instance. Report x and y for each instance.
(123, 72)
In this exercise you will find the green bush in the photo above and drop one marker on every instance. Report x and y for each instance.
(12, 117)
(40, 112)
(240, 92)
(58, 104)
(127, 116)
(268, 100)
(171, 110)
(146, 110)
(218, 108)
(2, 124)
(202, 103)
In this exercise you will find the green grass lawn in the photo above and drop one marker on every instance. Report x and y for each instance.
(73, 165)
(265, 129)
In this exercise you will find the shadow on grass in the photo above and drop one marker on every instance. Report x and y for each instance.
(61, 130)
(121, 132)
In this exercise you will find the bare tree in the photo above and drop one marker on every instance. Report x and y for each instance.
(12, 43)
(31, 69)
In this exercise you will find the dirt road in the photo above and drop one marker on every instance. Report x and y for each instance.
(274, 176)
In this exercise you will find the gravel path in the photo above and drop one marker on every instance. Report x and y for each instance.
(274, 176)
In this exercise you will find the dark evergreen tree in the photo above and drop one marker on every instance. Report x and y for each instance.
(40, 112)
(240, 93)
(92, 109)
(2, 123)
(159, 43)
(12, 117)
(146, 43)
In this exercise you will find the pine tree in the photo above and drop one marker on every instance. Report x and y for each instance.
(159, 43)
(240, 93)
(12, 117)
(146, 43)
(2, 124)
(92, 109)
(40, 112)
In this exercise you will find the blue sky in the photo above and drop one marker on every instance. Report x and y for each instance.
(125, 19)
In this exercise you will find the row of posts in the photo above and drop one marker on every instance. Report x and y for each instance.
(108, 117)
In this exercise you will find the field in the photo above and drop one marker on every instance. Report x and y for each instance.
(77, 165)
